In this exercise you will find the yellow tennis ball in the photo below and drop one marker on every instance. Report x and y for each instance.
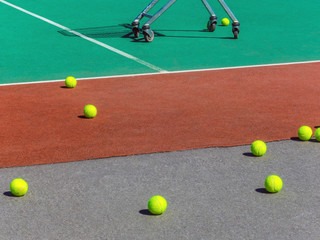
(258, 148)
(18, 187)
(317, 134)
(273, 183)
(225, 21)
(157, 205)
(70, 82)
(305, 133)
(90, 111)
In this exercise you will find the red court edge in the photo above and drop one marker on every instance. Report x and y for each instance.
(43, 123)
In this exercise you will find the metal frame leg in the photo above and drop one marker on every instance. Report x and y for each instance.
(135, 23)
(146, 10)
(228, 11)
(160, 12)
(147, 32)
(235, 24)
(208, 7)
(211, 25)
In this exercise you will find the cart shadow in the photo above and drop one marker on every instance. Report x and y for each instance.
(196, 37)
(159, 33)
(125, 31)
(116, 31)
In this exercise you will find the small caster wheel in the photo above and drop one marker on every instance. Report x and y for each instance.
(236, 34)
(149, 36)
(135, 32)
(235, 29)
(211, 26)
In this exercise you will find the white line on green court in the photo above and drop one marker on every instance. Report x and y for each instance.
(149, 65)
(170, 72)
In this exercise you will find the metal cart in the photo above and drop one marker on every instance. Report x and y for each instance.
(149, 34)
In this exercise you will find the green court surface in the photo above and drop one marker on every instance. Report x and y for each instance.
(34, 50)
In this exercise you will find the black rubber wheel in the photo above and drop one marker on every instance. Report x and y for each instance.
(147, 37)
(236, 34)
(135, 32)
(211, 26)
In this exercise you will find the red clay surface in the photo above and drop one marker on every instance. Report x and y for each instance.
(43, 123)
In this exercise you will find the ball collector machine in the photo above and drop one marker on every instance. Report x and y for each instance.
(211, 25)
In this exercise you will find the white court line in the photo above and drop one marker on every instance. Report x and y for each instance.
(172, 72)
(149, 65)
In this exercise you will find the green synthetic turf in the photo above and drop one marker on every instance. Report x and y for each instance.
(33, 50)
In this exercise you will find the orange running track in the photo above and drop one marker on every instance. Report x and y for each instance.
(43, 123)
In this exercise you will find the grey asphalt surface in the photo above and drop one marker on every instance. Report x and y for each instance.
(212, 193)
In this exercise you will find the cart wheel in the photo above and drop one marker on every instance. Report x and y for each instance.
(211, 26)
(235, 34)
(135, 32)
(147, 37)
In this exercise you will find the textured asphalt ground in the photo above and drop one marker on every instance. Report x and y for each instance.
(213, 193)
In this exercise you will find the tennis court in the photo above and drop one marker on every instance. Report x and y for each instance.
(176, 117)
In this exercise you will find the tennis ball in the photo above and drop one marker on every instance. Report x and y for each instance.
(70, 82)
(157, 205)
(225, 21)
(90, 111)
(18, 187)
(305, 133)
(258, 148)
(273, 183)
(317, 134)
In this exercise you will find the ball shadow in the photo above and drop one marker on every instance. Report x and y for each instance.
(8, 194)
(295, 139)
(249, 154)
(146, 212)
(298, 140)
(262, 190)
(83, 117)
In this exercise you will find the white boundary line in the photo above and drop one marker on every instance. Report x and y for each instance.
(172, 72)
(149, 65)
